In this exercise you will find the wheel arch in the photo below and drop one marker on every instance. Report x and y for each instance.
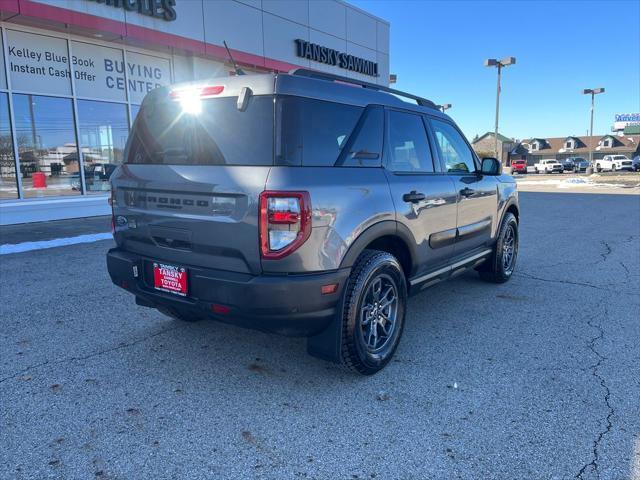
(388, 236)
(512, 207)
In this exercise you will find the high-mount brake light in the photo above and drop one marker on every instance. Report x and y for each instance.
(199, 92)
(190, 98)
(285, 222)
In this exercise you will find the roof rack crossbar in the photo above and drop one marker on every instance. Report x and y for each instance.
(305, 72)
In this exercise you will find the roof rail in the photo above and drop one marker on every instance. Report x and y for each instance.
(305, 72)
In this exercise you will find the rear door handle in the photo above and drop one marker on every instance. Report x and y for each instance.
(467, 192)
(413, 197)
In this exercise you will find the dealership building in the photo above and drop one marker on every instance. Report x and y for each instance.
(73, 74)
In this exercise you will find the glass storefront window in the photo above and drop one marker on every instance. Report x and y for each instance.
(8, 188)
(3, 77)
(134, 113)
(103, 133)
(46, 145)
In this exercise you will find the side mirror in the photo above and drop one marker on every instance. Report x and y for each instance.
(491, 166)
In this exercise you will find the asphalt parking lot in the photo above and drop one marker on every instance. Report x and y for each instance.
(538, 378)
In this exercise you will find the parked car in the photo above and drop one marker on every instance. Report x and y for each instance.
(575, 164)
(548, 166)
(636, 163)
(581, 164)
(519, 166)
(613, 162)
(568, 165)
(271, 201)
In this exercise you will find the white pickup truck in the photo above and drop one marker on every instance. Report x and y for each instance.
(613, 163)
(548, 165)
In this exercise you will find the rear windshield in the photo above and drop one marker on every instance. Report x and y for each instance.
(308, 132)
(219, 135)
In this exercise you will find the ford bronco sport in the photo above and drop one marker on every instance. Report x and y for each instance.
(304, 204)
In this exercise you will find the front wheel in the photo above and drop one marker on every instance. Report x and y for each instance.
(499, 267)
(373, 313)
(613, 168)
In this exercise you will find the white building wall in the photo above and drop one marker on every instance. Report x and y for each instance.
(266, 28)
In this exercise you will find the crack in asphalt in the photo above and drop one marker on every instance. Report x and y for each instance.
(591, 345)
(551, 280)
(626, 269)
(608, 250)
(570, 282)
(89, 355)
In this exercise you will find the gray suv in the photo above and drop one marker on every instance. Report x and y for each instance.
(305, 204)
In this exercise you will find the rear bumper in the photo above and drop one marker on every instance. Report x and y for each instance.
(291, 305)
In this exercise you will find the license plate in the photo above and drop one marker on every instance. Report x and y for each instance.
(170, 278)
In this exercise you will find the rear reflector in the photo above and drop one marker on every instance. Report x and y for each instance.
(327, 289)
(220, 309)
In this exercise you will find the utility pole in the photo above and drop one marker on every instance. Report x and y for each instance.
(593, 92)
(492, 62)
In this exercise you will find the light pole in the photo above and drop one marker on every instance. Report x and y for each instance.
(593, 92)
(444, 107)
(492, 62)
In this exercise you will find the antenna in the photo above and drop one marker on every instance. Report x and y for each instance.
(237, 69)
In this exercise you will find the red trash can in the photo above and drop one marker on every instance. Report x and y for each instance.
(39, 180)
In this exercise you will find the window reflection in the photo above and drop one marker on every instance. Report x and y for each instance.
(8, 188)
(46, 145)
(103, 134)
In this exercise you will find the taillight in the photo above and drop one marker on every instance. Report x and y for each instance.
(285, 222)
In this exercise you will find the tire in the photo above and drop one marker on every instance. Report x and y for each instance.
(367, 346)
(613, 168)
(496, 269)
(598, 169)
(178, 314)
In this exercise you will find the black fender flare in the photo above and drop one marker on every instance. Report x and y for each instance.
(378, 230)
(510, 202)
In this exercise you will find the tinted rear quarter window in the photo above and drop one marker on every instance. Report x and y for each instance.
(365, 150)
(219, 135)
(312, 132)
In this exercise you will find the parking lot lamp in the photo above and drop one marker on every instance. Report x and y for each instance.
(492, 62)
(593, 92)
(444, 107)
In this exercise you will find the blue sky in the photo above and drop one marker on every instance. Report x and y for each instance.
(561, 47)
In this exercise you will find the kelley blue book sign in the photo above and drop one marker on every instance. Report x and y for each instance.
(41, 65)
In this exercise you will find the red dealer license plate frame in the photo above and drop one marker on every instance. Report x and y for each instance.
(170, 278)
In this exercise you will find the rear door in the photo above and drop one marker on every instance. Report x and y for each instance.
(477, 194)
(424, 198)
(188, 191)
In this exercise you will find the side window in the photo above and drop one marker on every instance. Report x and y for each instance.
(366, 148)
(454, 151)
(408, 145)
(312, 132)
